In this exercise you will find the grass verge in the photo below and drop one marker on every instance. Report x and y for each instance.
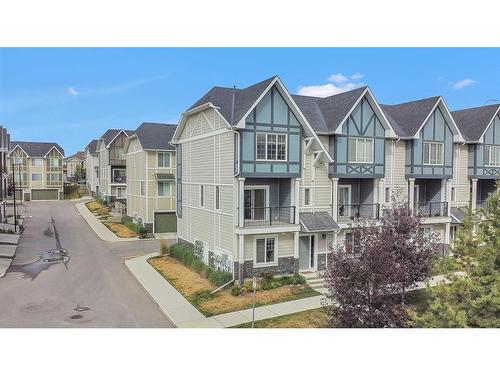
(120, 230)
(317, 318)
(196, 289)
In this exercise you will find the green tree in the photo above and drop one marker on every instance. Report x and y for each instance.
(472, 299)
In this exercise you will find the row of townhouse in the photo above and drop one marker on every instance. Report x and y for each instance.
(137, 169)
(267, 180)
(36, 168)
(73, 165)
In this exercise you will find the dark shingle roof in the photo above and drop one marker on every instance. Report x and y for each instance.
(233, 103)
(317, 221)
(36, 149)
(92, 147)
(324, 114)
(155, 136)
(327, 114)
(472, 122)
(406, 118)
(79, 155)
(110, 134)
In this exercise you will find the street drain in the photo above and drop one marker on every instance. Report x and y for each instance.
(76, 316)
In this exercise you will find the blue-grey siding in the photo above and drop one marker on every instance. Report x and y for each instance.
(477, 169)
(362, 123)
(438, 130)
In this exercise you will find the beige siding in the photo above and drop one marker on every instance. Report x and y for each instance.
(395, 167)
(285, 244)
(207, 161)
(460, 180)
(316, 179)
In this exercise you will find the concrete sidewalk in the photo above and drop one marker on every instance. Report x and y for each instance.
(8, 247)
(99, 228)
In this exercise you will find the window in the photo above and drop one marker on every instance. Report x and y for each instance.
(202, 193)
(18, 160)
(119, 153)
(387, 195)
(265, 250)
(54, 162)
(119, 176)
(163, 160)
(217, 198)
(360, 150)
(492, 156)
(271, 146)
(164, 189)
(54, 177)
(433, 153)
(37, 162)
(307, 197)
(453, 194)
(36, 177)
(143, 188)
(352, 244)
(120, 192)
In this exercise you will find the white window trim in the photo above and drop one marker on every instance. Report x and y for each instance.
(276, 247)
(216, 188)
(387, 199)
(304, 199)
(428, 162)
(158, 189)
(37, 173)
(201, 202)
(273, 160)
(169, 159)
(142, 193)
(490, 147)
(356, 153)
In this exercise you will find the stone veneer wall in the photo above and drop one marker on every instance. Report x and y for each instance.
(286, 265)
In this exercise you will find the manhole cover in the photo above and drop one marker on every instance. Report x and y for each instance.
(76, 316)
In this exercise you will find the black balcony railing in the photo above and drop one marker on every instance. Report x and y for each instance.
(431, 209)
(119, 179)
(357, 211)
(268, 216)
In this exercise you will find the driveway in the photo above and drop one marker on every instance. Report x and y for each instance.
(63, 275)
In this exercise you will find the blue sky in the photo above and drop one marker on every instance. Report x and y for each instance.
(73, 95)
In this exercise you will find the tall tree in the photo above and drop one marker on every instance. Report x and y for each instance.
(472, 299)
(368, 277)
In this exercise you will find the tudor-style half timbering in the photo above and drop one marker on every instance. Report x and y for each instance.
(430, 155)
(358, 145)
(484, 157)
(270, 142)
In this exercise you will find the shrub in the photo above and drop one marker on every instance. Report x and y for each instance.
(267, 276)
(101, 201)
(139, 229)
(184, 254)
(235, 290)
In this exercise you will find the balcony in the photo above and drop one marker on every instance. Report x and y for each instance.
(347, 212)
(119, 180)
(268, 216)
(431, 209)
(118, 162)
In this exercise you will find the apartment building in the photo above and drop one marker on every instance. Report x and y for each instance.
(72, 164)
(4, 150)
(150, 165)
(269, 181)
(92, 168)
(37, 169)
(112, 180)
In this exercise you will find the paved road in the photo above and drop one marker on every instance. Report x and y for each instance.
(63, 275)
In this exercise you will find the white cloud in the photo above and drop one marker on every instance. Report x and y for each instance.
(464, 83)
(338, 83)
(72, 91)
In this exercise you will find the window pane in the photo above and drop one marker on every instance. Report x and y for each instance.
(202, 198)
(351, 147)
(261, 250)
(426, 153)
(270, 250)
(261, 146)
(368, 150)
(307, 197)
(281, 147)
(271, 147)
(439, 151)
(486, 155)
(217, 200)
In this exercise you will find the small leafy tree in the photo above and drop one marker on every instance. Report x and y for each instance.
(473, 299)
(368, 277)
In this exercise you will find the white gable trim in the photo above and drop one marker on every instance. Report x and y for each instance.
(60, 153)
(185, 115)
(117, 134)
(22, 149)
(457, 136)
(481, 139)
(295, 109)
(128, 140)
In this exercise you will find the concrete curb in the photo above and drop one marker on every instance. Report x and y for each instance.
(99, 228)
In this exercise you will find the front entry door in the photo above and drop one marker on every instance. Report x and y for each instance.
(306, 252)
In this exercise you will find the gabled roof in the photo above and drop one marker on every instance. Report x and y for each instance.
(36, 149)
(155, 136)
(407, 118)
(233, 103)
(326, 114)
(473, 122)
(111, 134)
(80, 155)
(92, 147)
